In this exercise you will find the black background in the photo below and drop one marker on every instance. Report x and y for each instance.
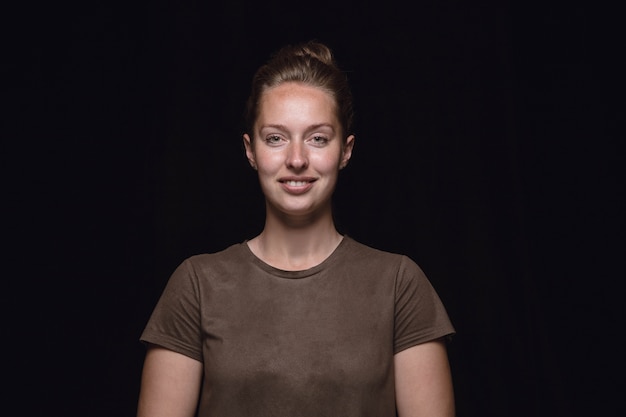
(485, 151)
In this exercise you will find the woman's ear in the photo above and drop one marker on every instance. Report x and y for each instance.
(247, 143)
(346, 152)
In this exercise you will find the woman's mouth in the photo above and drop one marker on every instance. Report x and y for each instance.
(297, 186)
(296, 183)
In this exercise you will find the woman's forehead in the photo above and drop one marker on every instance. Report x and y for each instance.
(289, 99)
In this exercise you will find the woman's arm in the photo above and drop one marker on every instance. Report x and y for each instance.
(170, 384)
(423, 381)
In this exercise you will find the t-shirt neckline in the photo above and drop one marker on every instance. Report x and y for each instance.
(304, 273)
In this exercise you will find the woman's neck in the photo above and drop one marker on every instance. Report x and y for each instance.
(296, 244)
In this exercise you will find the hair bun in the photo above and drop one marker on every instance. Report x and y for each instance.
(313, 49)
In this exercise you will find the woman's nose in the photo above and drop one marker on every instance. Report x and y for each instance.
(296, 157)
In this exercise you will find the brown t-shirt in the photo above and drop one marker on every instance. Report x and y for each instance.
(318, 342)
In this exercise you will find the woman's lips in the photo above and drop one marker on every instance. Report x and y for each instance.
(296, 185)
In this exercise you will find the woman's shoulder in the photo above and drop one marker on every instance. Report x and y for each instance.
(369, 253)
(234, 254)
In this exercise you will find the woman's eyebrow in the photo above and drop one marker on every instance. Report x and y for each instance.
(272, 126)
(321, 125)
(309, 128)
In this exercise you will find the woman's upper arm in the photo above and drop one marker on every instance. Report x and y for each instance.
(423, 381)
(170, 384)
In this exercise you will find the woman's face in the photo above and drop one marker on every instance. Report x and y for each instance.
(297, 149)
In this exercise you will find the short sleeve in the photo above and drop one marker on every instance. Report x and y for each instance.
(420, 315)
(175, 322)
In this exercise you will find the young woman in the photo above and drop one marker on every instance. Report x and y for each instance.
(300, 320)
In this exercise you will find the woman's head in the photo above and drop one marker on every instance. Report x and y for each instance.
(311, 63)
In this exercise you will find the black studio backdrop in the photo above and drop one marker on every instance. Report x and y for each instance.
(484, 151)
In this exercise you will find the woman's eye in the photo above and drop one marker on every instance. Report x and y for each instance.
(319, 140)
(273, 140)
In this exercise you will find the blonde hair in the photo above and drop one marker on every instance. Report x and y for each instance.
(311, 63)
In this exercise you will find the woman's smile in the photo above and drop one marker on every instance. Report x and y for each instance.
(297, 185)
